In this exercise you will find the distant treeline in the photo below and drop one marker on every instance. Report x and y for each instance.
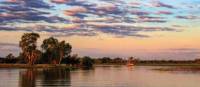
(167, 61)
(75, 60)
(107, 60)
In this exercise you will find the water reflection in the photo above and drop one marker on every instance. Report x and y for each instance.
(28, 78)
(56, 77)
(44, 77)
(110, 76)
(130, 68)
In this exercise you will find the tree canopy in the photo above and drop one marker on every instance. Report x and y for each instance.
(28, 46)
(55, 50)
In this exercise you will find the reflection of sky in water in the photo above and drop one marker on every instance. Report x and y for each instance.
(119, 76)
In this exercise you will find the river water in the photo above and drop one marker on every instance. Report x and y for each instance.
(100, 76)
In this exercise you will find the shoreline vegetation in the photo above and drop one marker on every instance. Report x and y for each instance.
(75, 67)
(55, 53)
(33, 66)
(101, 62)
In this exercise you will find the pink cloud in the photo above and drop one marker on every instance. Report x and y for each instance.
(164, 12)
(106, 7)
(151, 19)
(135, 3)
(102, 19)
(75, 20)
(71, 26)
(140, 12)
(6, 15)
(74, 10)
(12, 1)
(60, 1)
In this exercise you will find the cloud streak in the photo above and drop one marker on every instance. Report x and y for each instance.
(161, 4)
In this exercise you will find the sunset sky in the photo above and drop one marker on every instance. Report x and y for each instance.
(146, 29)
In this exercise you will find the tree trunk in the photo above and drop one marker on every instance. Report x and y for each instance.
(61, 56)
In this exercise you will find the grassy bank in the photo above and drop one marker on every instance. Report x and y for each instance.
(170, 64)
(70, 67)
(153, 64)
(34, 66)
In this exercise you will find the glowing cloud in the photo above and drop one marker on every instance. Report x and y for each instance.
(75, 10)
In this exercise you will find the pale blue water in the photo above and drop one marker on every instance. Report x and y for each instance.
(109, 76)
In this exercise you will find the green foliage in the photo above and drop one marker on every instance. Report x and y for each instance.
(55, 51)
(28, 46)
(73, 60)
(28, 41)
(10, 56)
(106, 60)
(87, 62)
(9, 59)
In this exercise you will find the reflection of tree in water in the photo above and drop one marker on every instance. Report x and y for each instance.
(48, 77)
(28, 78)
(56, 77)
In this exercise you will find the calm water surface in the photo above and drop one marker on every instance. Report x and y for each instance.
(107, 76)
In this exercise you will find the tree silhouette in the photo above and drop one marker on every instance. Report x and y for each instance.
(28, 46)
(10, 56)
(87, 62)
(55, 51)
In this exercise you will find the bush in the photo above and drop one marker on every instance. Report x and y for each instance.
(87, 62)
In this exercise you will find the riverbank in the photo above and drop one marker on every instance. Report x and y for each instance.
(34, 66)
(170, 64)
(154, 64)
(68, 66)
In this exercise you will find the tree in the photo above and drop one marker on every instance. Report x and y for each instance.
(55, 51)
(117, 60)
(49, 47)
(64, 50)
(106, 60)
(28, 46)
(87, 62)
(74, 60)
(10, 56)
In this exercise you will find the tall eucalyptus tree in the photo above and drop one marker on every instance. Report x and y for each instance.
(28, 45)
(55, 50)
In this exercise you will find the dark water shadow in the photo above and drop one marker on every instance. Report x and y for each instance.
(180, 69)
(45, 77)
